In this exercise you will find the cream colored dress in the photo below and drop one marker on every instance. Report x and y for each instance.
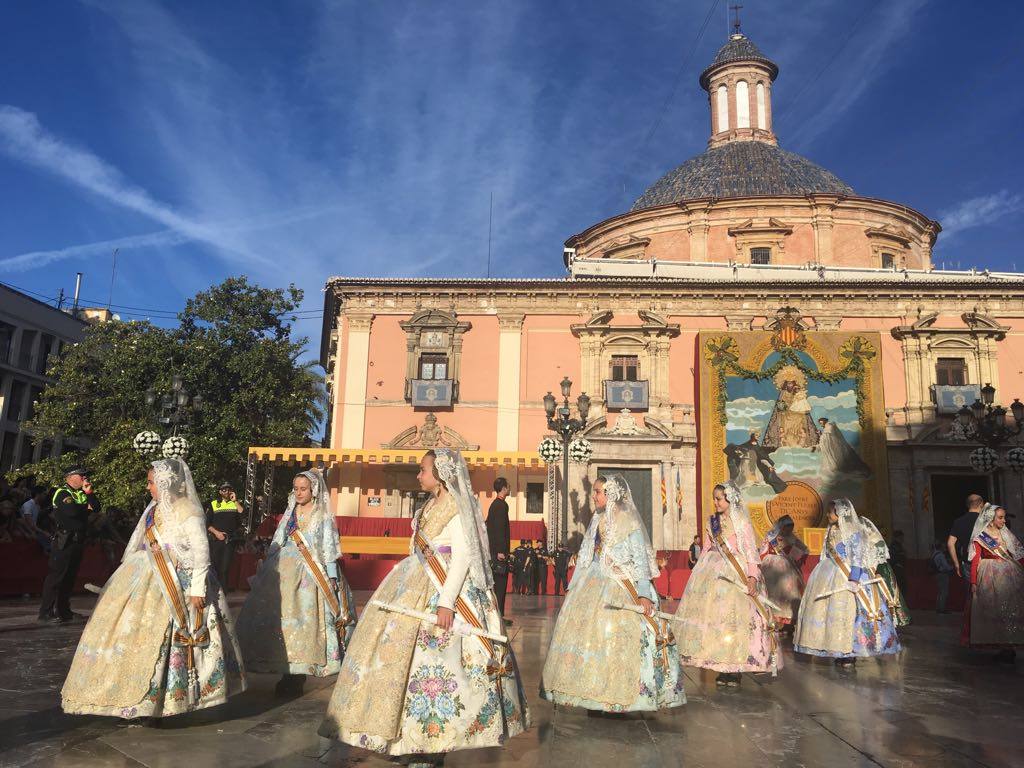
(128, 662)
(407, 687)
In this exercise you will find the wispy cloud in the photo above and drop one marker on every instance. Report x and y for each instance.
(979, 211)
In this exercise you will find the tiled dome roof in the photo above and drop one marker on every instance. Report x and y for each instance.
(739, 48)
(741, 169)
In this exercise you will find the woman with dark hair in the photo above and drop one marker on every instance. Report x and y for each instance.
(424, 673)
(159, 641)
(300, 613)
(609, 651)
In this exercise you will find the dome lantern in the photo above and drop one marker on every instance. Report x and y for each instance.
(739, 85)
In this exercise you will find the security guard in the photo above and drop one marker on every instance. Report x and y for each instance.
(223, 520)
(73, 505)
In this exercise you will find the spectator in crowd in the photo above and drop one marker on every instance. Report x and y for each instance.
(7, 517)
(30, 517)
(499, 541)
(694, 552)
(942, 568)
(898, 560)
(960, 535)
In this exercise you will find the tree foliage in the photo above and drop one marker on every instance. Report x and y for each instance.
(233, 347)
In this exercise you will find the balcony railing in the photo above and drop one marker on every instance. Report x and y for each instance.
(633, 395)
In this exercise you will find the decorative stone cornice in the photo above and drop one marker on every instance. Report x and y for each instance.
(511, 322)
(359, 321)
(975, 325)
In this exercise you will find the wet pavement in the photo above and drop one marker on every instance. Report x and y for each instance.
(934, 705)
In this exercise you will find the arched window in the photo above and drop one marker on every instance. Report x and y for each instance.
(723, 108)
(762, 114)
(742, 105)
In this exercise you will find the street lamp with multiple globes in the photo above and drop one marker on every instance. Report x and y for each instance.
(986, 422)
(566, 428)
(176, 406)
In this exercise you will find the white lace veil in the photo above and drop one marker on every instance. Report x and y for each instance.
(875, 539)
(622, 520)
(327, 545)
(177, 498)
(861, 550)
(1010, 542)
(741, 525)
(452, 469)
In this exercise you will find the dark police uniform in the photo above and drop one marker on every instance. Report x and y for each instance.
(540, 570)
(562, 557)
(519, 568)
(71, 510)
(223, 515)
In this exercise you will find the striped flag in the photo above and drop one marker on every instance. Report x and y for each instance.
(679, 493)
(664, 491)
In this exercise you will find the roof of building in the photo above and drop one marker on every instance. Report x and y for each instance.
(738, 48)
(742, 169)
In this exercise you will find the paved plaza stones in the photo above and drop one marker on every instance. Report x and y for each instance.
(934, 705)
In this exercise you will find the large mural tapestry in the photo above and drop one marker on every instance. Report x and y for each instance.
(795, 418)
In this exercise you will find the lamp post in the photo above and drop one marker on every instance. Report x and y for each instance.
(176, 406)
(560, 422)
(986, 422)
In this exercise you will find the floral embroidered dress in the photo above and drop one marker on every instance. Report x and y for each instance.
(833, 621)
(604, 658)
(901, 612)
(720, 627)
(407, 687)
(994, 616)
(782, 557)
(288, 623)
(134, 658)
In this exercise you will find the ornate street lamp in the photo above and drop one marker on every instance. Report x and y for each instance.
(986, 423)
(560, 422)
(177, 406)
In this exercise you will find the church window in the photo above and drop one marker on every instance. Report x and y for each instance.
(950, 372)
(625, 368)
(742, 105)
(888, 261)
(760, 255)
(433, 367)
(762, 114)
(723, 108)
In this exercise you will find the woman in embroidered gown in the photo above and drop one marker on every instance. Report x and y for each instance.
(841, 617)
(300, 613)
(994, 617)
(410, 686)
(725, 625)
(782, 557)
(604, 658)
(159, 641)
(898, 603)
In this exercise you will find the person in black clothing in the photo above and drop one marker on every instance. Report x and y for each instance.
(898, 560)
(223, 521)
(540, 569)
(518, 568)
(74, 503)
(499, 540)
(694, 552)
(562, 558)
(529, 557)
(960, 535)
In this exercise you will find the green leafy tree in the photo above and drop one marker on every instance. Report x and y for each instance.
(233, 347)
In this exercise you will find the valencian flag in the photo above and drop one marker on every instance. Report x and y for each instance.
(664, 491)
(679, 493)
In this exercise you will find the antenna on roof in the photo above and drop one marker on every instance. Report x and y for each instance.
(113, 269)
(490, 226)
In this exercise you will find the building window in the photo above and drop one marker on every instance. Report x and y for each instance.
(47, 348)
(10, 440)
(6, 342)
(888, 261)
(26, 348)
(723, 108)
(625, 368)
(760, 255)
(950, 372)
(35, 394)
(535, 498)
(433, 367)
(16, 400)
(762, 113)
(742, 105)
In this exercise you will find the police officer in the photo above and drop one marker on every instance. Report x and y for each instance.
(562, 557)
(73, 505)
(519, 568)
(540, 568)
(223, 520)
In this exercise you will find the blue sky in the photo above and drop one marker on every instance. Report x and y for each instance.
(293, 141)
